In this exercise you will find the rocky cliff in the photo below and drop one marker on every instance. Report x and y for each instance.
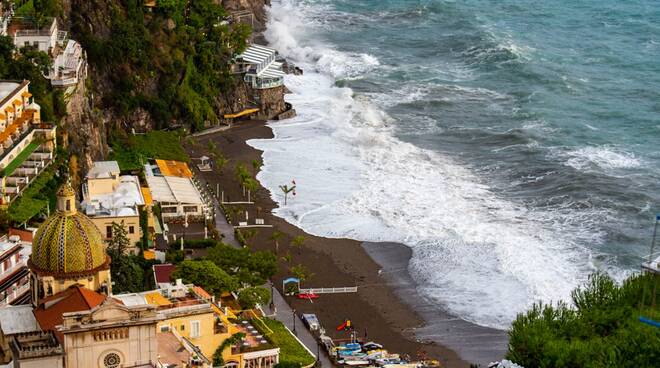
(90, 118)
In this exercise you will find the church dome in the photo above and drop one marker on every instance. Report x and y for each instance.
(68, 242)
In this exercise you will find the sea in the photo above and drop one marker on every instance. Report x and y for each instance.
(513, 145)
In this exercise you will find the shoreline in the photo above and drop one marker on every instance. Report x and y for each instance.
(477, 344)
(378, 310)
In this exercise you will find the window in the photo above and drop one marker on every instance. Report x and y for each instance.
(131, 229)
(189, 209)
(108, 231)
(68, 205)
(194, 329)
(168, 210)
(164, 328)
(183, 327)
(112, 360)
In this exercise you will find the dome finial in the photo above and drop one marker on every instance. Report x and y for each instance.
(66, 199)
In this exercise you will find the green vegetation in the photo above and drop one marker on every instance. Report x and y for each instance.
(218, 360)
(291, 351)
(31, 64)
(172, 62)
(16, 162)
(248, 298)
(130, 273)
(250, 268)
(132, 151)
(206, 275)
(601, 329)
(40, 193)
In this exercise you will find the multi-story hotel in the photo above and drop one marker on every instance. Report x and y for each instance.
(14, 274)
(26, 144)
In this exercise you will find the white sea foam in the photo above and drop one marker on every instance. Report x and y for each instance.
(480, 256)
(601, 157)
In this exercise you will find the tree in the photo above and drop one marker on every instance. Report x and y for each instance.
(286, 189)
(600, 328)
(218, 360)
(248, 298)
(301, 272)
(206, 275)
(256, 165)
(298, 242)
(287, 257)
(251, 185)
(119, 241)
(275, 237)
(249, 268)
(249, 234)
(220, 162)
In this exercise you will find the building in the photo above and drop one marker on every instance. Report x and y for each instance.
(173, 187)
(68, 250)
(109, 197)
(14, 274)
(69, 66)
(45, 37)
(69, 58)
(197, 321)
(75, 321)
(26, 144)
(260, 66)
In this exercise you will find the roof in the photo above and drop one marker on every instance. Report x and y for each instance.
(174, 168)
(120, 202)
(170, 350)
(146, 194)
(172, 189)
(68, 243)
(17, 319)
(74, 299)
(8, 89)
(162, 273)
(103, 169)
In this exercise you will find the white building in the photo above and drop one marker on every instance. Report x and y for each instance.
(69, 66)
(261, 68)
(172, 187)
(110, 197)
(14, 274)
(45, 38)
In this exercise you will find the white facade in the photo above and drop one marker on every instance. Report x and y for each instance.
(14, 274)
(45, 38)
(262, 69)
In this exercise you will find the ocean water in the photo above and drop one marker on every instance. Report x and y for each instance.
(513, 145)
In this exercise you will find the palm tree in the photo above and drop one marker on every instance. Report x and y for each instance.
(251, 185)
(301, 272)
(275, 237)
(286, 190)
(287, 257)
(220, 162)
(249, 234)
(297, 242)
(256, 165)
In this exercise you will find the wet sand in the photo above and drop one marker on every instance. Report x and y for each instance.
(474, 343)
(377, 309)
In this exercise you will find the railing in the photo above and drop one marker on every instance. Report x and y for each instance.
(334, 290)
(15, 294)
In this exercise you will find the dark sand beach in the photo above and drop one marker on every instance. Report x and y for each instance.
(377, 309)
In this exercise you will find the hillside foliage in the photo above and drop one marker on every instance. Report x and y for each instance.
(600, 329)
(172, 61)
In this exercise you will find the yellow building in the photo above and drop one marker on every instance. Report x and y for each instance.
(192, 315)
(26, 144)
(68, 250)
(109, 197)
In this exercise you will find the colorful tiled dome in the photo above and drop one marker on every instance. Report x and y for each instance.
(68, 242)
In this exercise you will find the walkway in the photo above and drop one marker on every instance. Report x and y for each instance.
(284, 314)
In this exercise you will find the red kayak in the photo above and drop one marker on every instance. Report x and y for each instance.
(307, 296)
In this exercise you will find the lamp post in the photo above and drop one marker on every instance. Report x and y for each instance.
(272, 296)
(318, 353)
(294, 322)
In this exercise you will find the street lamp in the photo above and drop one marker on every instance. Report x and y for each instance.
(318, 353)
(294, 321)
(272, 296)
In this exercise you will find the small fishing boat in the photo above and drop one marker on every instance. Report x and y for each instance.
(308, 296)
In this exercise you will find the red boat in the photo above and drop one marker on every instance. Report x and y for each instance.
(307, 296)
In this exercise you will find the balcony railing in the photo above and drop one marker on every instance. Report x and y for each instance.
(15, 294)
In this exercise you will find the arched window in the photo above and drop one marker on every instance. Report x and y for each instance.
(68, 205)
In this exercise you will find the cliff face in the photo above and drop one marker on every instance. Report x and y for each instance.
(85, 130)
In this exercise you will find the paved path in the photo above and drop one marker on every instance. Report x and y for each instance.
(284, 314)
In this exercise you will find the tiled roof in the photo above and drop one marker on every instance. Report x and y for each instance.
(162, 272)
(74, 299)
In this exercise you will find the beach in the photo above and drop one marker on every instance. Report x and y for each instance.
(376, 310)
